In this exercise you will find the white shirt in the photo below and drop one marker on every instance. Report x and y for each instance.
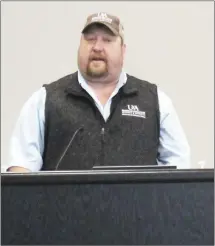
(27, 142)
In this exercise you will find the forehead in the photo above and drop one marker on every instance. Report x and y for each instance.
(98, 28)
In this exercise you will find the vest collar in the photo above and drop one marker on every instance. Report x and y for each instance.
(75, 88)
(129, 88)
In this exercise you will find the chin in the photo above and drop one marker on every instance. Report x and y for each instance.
(95, 73)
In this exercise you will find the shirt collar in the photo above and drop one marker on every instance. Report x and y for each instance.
(122, 80)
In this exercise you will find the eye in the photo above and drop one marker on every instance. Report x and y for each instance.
(90, 38)
(108, 40)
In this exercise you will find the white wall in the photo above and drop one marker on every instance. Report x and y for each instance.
(168, 43)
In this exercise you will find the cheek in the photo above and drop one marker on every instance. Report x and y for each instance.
(84, 55)
(115, 57)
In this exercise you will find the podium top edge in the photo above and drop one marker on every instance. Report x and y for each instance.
(107, 176)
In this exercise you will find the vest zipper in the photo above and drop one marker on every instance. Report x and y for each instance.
(102, 144)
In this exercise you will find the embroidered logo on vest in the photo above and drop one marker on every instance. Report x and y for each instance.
(134, 111)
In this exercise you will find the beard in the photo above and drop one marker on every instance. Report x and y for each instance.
(97, 67)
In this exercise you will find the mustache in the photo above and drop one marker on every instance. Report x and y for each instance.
(97, 57)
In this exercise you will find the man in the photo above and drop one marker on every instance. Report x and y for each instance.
(98, 115)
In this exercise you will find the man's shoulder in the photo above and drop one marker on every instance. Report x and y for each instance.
(153, 86)
(61, 82)
(141, 83)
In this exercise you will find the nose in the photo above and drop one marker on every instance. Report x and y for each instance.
(98, 45)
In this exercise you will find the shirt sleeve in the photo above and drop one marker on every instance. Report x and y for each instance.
(27, 141)
(173, 148)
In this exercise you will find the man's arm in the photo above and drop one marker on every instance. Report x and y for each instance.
(27, 142)
(174, 148)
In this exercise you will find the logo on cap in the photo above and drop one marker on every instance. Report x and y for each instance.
(101, 17)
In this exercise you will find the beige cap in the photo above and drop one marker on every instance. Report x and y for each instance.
(110, 21)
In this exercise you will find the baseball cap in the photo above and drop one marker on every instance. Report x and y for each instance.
(110, 21)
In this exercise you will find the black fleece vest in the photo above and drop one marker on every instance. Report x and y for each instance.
(130, 136)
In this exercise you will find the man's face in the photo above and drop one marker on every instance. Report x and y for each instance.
(100, 53)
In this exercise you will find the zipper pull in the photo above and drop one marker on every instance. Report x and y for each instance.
(103, 134)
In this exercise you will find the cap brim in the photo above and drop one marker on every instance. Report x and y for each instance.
(103, 23)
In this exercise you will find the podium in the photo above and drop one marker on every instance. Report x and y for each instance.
(110, 207)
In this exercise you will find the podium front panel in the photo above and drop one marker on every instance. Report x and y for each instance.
(106, 210)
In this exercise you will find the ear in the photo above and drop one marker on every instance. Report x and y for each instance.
(124, 49)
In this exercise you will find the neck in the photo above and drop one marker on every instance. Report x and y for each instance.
(103, 87)
(107, 81)
(98, 85)
(103, 90)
